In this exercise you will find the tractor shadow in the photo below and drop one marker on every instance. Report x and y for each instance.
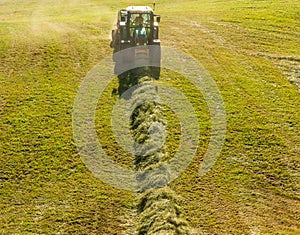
(133, 77)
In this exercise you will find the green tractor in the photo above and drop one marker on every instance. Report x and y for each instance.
(137, 34)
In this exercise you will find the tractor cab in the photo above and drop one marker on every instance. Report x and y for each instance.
(136, 25)
(140, 27)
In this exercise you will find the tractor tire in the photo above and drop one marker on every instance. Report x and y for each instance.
(155, 55)
(113, 39)
(155, 72)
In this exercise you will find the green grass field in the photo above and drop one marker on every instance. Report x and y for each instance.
(251, 49)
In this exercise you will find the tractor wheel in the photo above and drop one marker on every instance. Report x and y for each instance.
(155, 72)
(113, 38)
(155, 55)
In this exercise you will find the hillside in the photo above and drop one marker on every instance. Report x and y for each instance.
(249, 47)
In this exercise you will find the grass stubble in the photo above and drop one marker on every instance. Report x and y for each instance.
(251, 50)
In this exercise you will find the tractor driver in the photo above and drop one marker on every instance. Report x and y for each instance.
(139, 19)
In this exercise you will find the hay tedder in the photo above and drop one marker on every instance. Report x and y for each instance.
(136, 33)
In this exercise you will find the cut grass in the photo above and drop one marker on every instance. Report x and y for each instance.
(47, 48)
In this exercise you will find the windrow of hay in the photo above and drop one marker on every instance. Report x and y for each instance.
(158, 207)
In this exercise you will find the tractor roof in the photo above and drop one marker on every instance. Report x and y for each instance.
(139, 9)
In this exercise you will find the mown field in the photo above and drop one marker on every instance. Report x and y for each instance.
(250, 48)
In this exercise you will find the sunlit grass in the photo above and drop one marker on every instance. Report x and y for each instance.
(46, 49)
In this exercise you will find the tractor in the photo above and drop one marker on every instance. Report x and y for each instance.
(137, 34)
